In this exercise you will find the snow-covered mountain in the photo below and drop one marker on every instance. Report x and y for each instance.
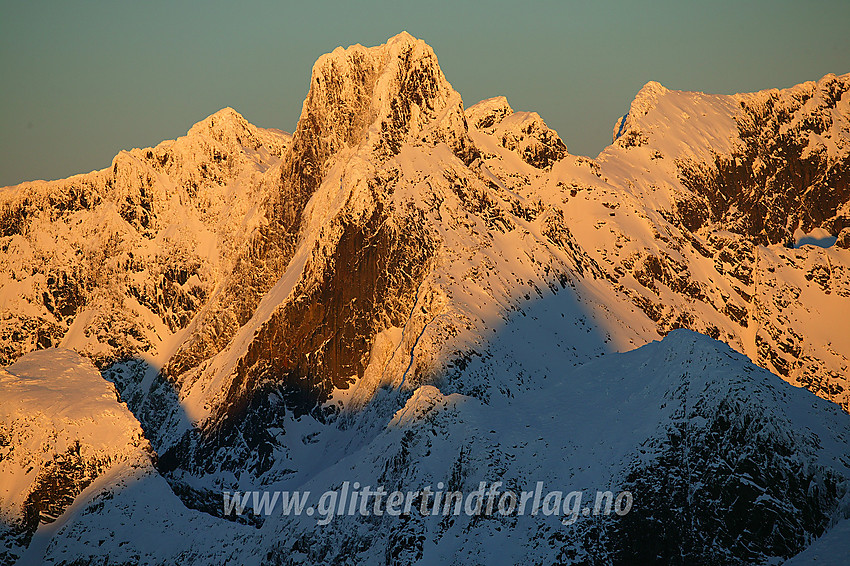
(113, 262)
(284, 311)
(61, 427)
(728, 464)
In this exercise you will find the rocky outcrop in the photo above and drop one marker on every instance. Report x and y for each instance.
(524, 133)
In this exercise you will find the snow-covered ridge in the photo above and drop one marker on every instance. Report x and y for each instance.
(61, 426)
(112, 262)
(646, 100)
(644, 419)
(730, 180)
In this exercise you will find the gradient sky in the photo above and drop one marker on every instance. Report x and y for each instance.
(84, 80)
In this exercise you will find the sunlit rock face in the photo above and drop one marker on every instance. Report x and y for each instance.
(416, 291)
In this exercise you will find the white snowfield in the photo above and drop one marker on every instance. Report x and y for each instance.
(522, 347)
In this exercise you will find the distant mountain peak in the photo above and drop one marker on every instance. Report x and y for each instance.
(388, 92)
(488, 112)
(225, 116)
(374, 99)
(645, 100)
(403, 37)
(226, 126)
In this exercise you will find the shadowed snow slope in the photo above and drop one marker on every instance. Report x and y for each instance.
(726, 462)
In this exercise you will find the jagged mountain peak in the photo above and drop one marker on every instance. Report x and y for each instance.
(380, 55)
(403, 37)
(645, 100)
(225, 122)
(368, 102)
(650, 89)
(383, 95)
(231, 132)
(209, 152)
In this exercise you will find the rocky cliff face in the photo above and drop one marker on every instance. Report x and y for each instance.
(265, 303)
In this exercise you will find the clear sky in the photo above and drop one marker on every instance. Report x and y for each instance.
(79, 81)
